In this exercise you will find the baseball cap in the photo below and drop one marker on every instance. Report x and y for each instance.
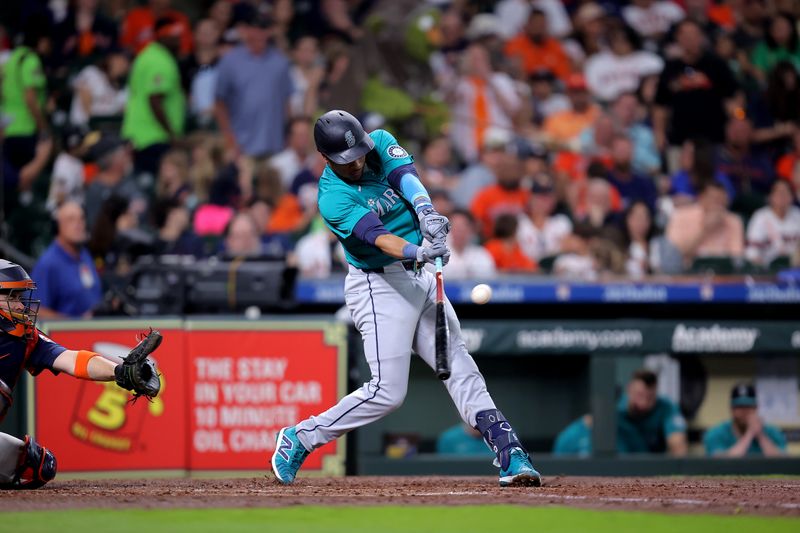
(576, 82)
(542, 184)
(97, 144)
(542, 74)
(743, 395)
(252, 16)
(496, 139)
(484, 25)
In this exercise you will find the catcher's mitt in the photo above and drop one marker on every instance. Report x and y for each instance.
(137, 372)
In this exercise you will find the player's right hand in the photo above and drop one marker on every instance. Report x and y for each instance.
(428, 254)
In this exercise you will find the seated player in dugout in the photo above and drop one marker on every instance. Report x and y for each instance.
(745, 433)
(25, 464)
(371, 197)
(646, 423)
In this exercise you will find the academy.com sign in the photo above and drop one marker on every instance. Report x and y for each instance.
(559, 338)
(713, 339)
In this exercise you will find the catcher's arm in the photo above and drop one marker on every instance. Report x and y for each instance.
(136, 372)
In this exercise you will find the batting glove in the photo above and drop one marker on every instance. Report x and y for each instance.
(433, 225)
(428, 254)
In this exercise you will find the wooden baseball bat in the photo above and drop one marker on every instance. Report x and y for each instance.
(442, 364)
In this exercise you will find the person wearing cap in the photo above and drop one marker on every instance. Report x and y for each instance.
(156, 110)
(546, 101)
(114, 177)
(745, 433)
(138, 28)
(254, 86)
(565, 127)
(539, 231)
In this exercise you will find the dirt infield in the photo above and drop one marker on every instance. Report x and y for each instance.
(684, 495)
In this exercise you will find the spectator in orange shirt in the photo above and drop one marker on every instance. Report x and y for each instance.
(138, 26)
(506, 197)
(505, 249)
(535, 49)
(787, 162)
(707, 228)
(565, 127)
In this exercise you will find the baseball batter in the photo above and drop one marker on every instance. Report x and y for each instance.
(25, 464)
(371, 197)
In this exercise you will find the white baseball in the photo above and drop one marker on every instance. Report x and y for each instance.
(252, 313)
(481, 294)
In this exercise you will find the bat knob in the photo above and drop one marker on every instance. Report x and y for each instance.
(443, 375)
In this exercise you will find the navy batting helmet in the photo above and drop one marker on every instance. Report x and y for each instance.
(18, 309)
(341, 138)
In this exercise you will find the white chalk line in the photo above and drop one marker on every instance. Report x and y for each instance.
(614, 499)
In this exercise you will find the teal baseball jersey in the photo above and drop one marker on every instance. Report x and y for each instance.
(343, 203)
(722, 437)
(648, 433)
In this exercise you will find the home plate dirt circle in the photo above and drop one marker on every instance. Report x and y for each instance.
(672, 495)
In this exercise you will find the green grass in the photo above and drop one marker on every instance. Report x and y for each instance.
(386, 520)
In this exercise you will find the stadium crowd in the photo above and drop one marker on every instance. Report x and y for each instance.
(577, 138)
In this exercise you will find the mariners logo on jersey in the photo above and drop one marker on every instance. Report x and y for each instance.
(384, 203)
(396, 151)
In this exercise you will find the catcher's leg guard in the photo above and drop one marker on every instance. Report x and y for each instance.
(24, 464)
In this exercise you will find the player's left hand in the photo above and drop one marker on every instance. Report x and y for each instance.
(138, 372)
(434, 226)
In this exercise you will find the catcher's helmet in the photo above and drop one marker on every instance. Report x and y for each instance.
(16, 287)
(341, 138)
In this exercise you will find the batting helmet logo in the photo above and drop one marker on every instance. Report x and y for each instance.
(350, 139)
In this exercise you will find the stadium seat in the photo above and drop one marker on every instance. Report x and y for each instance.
(546, 263)
(781, 262)
(720, 265)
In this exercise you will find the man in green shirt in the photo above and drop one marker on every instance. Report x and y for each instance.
(745, 433)
(646, 423)
(23, 92)
(156, 108)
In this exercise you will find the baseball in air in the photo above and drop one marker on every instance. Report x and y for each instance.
(481, 294)
(252, 313)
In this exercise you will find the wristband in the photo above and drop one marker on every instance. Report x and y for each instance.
(410, 251)
(82, 364)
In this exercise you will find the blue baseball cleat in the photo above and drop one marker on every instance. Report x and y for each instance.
(520, 472)
(289, 455)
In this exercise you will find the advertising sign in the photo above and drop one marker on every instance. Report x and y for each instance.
(93, 426)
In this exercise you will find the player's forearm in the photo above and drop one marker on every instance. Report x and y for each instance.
(677, 445)
(98, 368)
(395, 246)
(414, 191)
(740, 448)
(768, 447)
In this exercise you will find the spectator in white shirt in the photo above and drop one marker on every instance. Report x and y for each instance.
(540, 232)
(295, 157)
(468, 260)
(99, 90)
(66, 183)
(642, 253)
(774, 230)
(622, 68)
(481, 99)
(652, 19)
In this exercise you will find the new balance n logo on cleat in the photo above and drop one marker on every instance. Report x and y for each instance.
(285, 447)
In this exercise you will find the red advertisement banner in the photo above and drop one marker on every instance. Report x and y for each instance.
(226, 391)
(244, 386)
(93, 426)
